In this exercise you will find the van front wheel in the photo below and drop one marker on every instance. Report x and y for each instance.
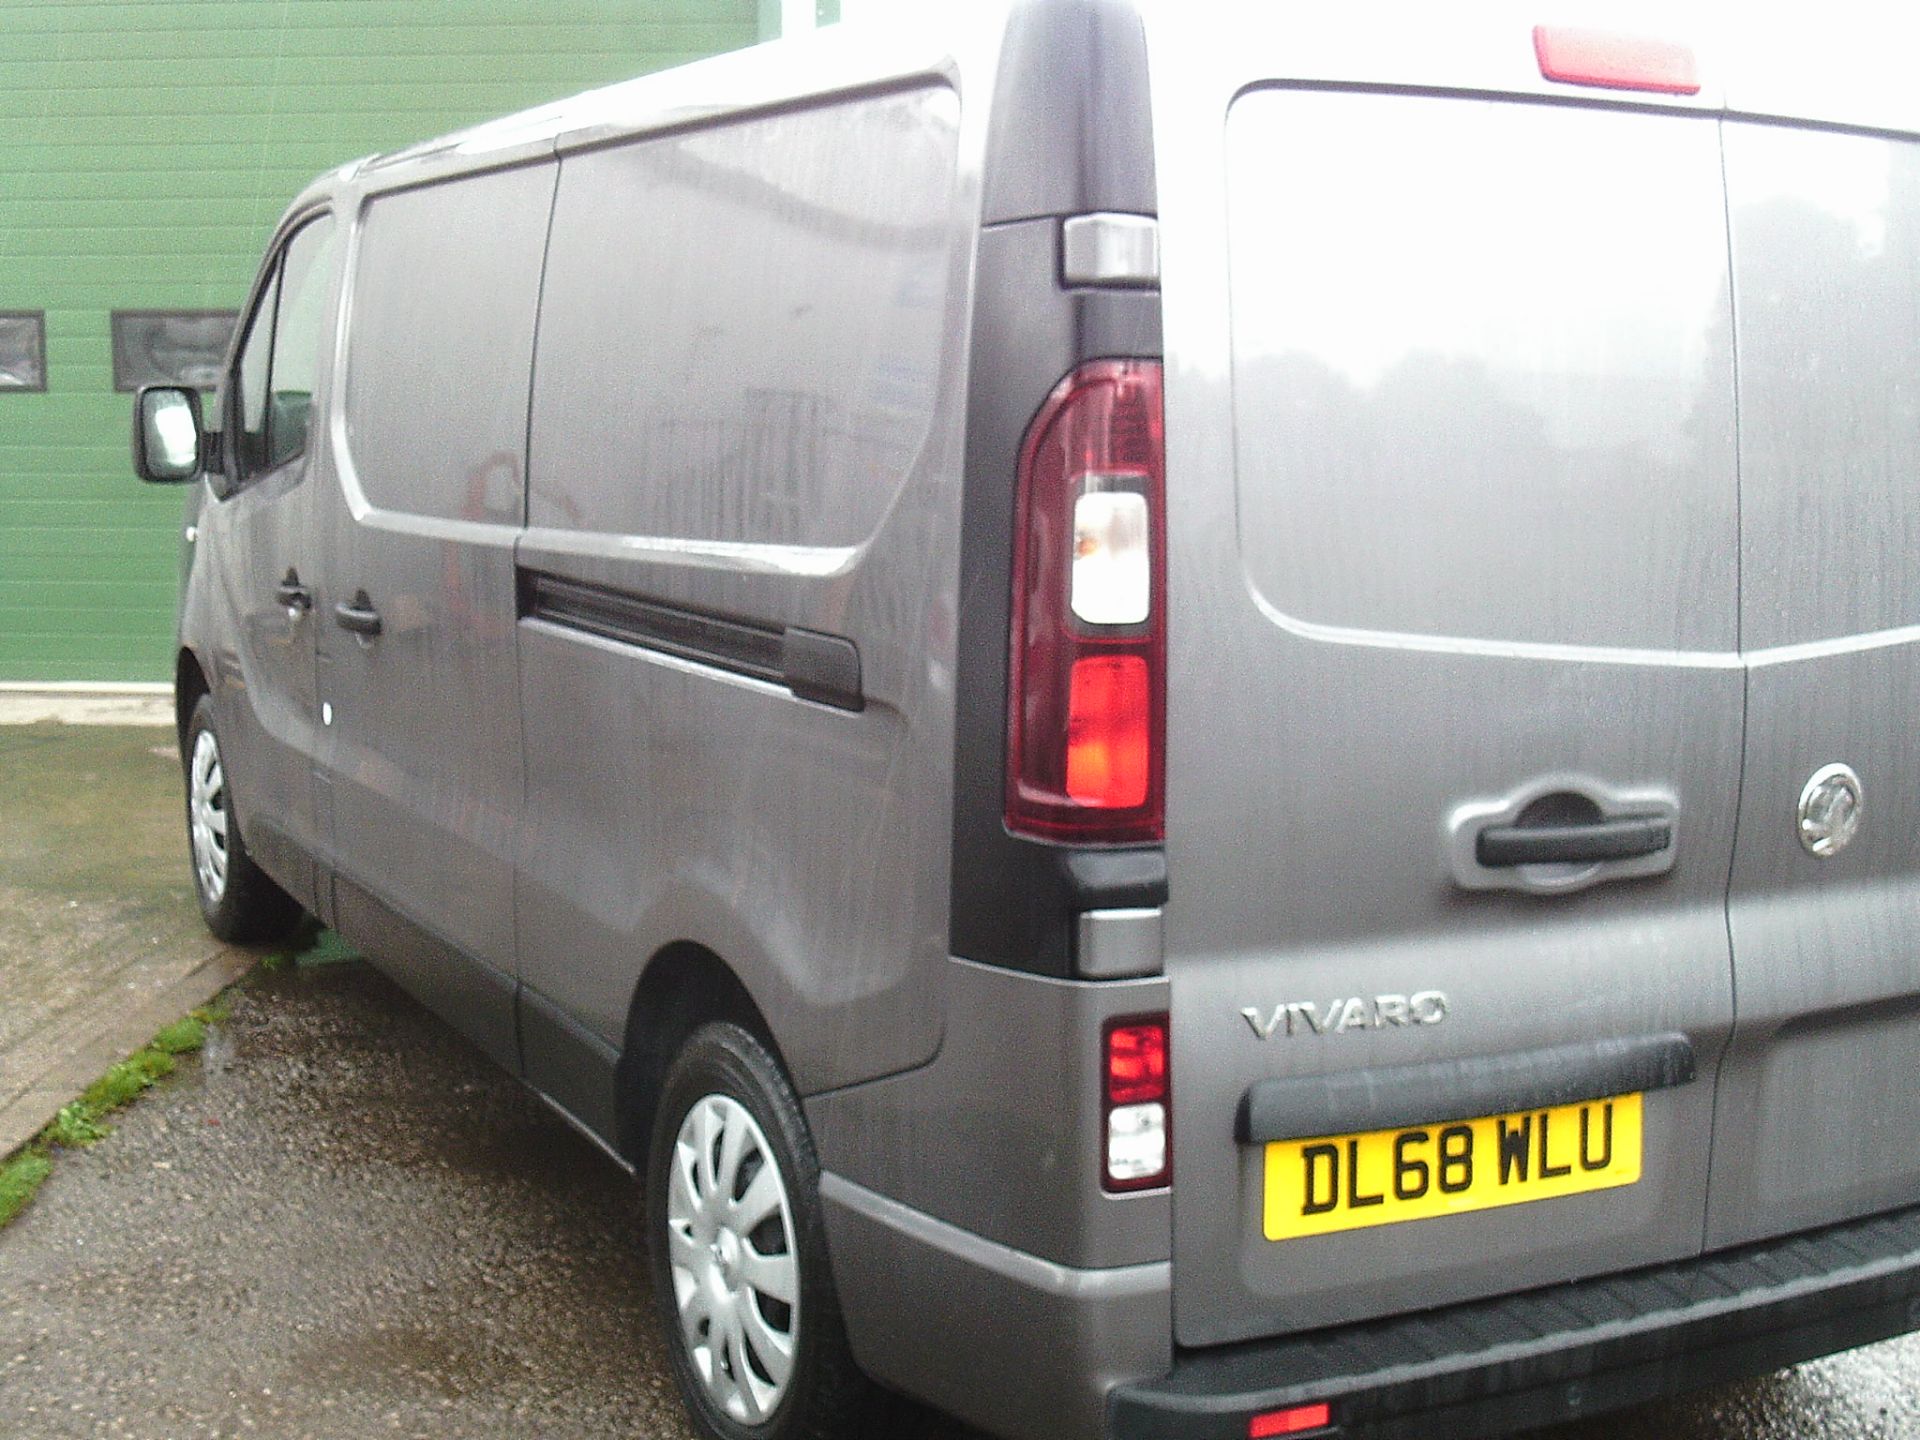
(738, 1250)
(238, 899)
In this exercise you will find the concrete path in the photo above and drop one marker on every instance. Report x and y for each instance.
(81, 704)
(101, 942)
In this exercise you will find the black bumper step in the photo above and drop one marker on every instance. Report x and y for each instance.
(1495, 1366)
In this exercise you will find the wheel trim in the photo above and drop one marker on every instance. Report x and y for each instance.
(208, 817)
(731, 1251)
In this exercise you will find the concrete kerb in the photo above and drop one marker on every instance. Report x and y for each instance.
(62, 1062)
(101, 946)
(85, 703)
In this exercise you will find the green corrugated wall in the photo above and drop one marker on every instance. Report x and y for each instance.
(146, 149)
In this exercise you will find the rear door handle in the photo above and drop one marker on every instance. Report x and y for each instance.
(292, 594)
(357, 615)
(1622, 837)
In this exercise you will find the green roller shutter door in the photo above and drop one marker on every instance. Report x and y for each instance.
(146, 149)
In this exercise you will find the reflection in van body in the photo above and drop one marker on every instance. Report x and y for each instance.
(1125, 700)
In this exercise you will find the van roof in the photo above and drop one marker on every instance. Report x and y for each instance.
(1754, 61)
(835, 58)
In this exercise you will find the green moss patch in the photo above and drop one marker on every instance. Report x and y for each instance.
(83, 1122)
(184, 1036)
(19, 1178)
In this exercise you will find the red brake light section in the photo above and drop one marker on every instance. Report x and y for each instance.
(1289, 1422)
(1109, 731)
(1136, 1104)
(1087, 697)
(1137, 1062)
(1614, 62)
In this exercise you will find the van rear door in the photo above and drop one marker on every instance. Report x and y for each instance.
(1817, 1115)
(1455, 700)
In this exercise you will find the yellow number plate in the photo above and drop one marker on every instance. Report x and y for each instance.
(1347, 1182)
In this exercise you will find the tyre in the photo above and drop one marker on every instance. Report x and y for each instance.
(240, 902)
(738, 1251)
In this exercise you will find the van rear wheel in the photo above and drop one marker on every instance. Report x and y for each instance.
(738, 1250)
(239, 900)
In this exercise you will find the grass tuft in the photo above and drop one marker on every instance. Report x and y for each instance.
(19, 1178)
(83, 1122)
(74, 1127)
(183, 1036)
(140, 1071)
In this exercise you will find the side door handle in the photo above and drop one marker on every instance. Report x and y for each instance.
(357, 615)
(292, 595)
(1621, 837)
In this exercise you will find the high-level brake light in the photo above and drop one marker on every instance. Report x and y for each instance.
(1087, 691)
(1614, 62)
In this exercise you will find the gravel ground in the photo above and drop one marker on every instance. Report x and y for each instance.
(343, 1222)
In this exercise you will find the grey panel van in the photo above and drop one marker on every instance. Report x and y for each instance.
(1190, 722)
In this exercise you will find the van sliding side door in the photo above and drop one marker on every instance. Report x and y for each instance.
(421, 658)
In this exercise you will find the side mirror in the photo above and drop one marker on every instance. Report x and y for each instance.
(167, 439)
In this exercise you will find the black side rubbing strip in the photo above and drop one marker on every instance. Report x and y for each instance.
(1300, 1107)
(823, 668)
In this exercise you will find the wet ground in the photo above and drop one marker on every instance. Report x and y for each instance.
(100, 940)
(340, 1223)
(92, 879)
(343, 1222)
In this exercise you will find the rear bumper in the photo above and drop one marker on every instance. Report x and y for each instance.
(1020, 1346)
(1495, 1366)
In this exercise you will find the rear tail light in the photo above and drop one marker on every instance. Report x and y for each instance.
(1087, 699)
(1137, 1104)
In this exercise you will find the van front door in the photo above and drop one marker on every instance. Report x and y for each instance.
(1819, 1113)
(259, 537)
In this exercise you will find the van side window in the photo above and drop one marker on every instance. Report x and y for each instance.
(281, 355)
(249, 389)
(687, 392)
(446, 286)
(296, 341)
